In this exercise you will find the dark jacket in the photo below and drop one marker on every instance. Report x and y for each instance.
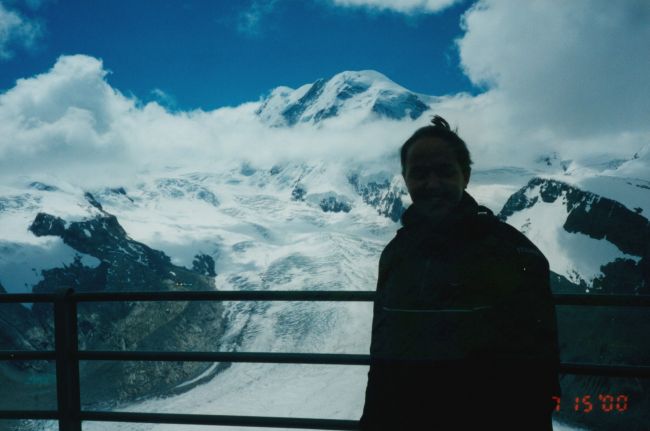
(464, 326)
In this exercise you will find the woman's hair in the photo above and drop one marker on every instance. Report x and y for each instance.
(440, 129)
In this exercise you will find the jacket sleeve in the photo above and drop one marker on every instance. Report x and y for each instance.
(378, 373)
(531, 319)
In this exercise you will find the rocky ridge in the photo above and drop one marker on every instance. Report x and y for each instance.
(125, 265)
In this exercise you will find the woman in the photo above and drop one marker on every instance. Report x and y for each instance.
(464, 326)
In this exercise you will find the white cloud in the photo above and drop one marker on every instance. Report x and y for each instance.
(70, 123)
(163, 98)
(69, 106)
(16, 31)
(566, 77)
(570, 76)
(402, 6)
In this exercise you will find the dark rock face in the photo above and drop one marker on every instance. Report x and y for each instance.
(598, 218)
(324, 114)
(399, 105)
(103, 238)
(165, 326)
(120, 191)
(94, 202)
(125, 265)
(204, 264)
(292, 113)
(331, 204)
(43, 187)
(610, 220)
(560, 284)
(622, 276)
(549, 192)
(19, 330)
(351, 89)
(25, 384)
(75, 275)
(298, 193)
(46, 224)
(386, 199)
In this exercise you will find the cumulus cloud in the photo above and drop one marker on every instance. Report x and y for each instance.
(69, 106)
(402, 6)
(570, 76)
(16, 31)
(70, 123)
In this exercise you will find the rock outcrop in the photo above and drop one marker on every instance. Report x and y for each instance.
(125, 265)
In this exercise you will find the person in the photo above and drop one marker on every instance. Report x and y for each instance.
(464, 329)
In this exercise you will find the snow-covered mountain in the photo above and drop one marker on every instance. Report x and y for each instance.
(594, 241)
(352, 95)
(295, 226)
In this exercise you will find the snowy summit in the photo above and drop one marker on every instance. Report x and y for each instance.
(360, 94)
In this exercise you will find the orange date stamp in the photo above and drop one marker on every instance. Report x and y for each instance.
(606, 403)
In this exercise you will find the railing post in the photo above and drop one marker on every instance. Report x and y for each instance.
(67, 362)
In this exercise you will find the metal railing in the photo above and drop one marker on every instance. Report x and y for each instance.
(67, 356)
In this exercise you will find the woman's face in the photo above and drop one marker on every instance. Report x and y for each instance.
(433, 176)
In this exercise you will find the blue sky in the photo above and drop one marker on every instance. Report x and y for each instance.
(207, 54)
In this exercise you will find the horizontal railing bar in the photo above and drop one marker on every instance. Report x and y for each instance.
(218, 295)
(290, 358)
(244, 421)
(606, 370)
(229, 295)
(602, 299)
(20, 355)
(565, 368)
(326, 359)
(278, 358)
(26, 297)
(29, 414)
(296, 295)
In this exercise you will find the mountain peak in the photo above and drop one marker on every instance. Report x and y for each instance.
(363, 94)
(371, 77)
